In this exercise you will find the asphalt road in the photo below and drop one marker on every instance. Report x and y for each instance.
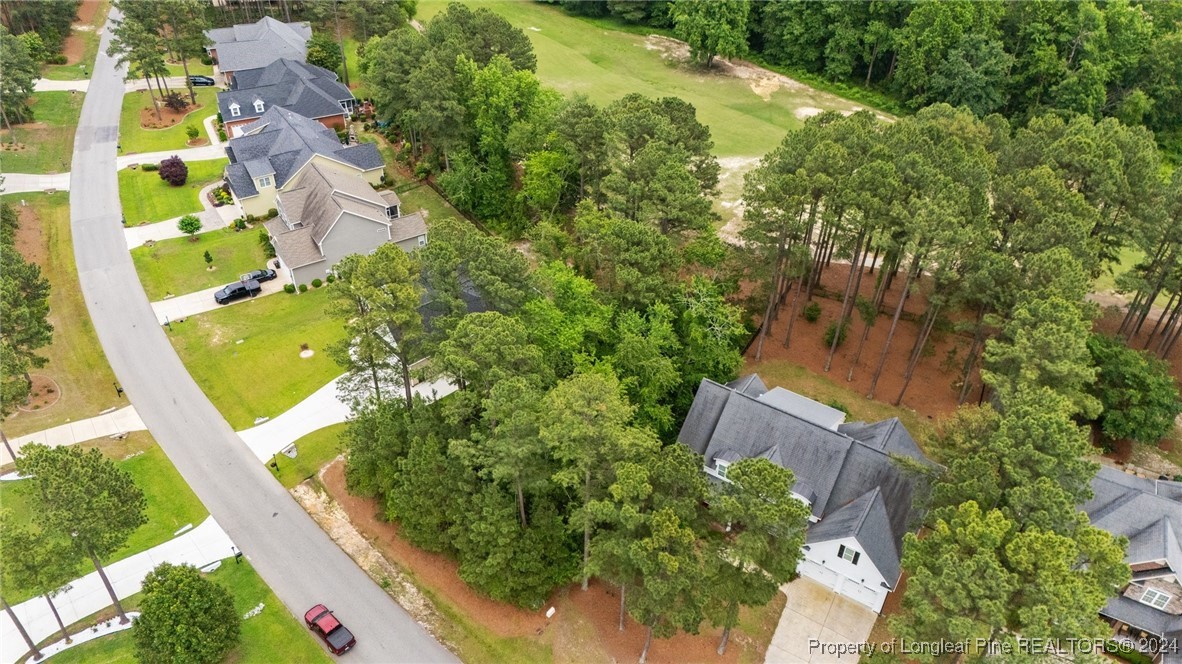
(294, 556)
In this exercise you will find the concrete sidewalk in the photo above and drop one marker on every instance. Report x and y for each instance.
(183, 306)
(211, 130)
(47, 85)
(323, 408)
(203, 153)
(121, 421)
(17, 183)
(200, 546)
(212, 219)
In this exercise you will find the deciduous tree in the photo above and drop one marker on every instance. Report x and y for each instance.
(712, 27)
(184, 617)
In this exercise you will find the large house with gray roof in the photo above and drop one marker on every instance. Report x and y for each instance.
(307, 90)
(327, 213)
(859, 479)
(277, 146)
(256, 45)
(1148, 611)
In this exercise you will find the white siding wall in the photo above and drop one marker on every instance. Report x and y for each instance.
(861, 582)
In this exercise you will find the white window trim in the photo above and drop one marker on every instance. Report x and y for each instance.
(720, 467)
(235, 110)
(264, 181)
(422, 240)
(849, 554)
(1152, 597)
(258, 106)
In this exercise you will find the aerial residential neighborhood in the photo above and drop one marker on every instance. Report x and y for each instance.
(668, 331)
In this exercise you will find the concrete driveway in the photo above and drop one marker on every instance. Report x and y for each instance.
(817, 625)
(183, 306)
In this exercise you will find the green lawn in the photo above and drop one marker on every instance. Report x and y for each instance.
(178, 266)
(47, 144)
(196, 68)
(414, 194)
(746, 117)
(90, 43)
(135, 138)
(272, 636)
(246, 357)
(146, 198)
(76, 360)
(313, 452)
(171, 503)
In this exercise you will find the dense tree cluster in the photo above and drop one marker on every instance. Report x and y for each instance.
(464, 96)
(24, 299)
(16, 86)
(49, 20)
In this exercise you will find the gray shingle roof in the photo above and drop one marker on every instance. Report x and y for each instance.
(750, 385)
(1141, 615)
(288, 140)
(311, 91)
(834, 468)
(256, 45)
(865, 519)
(294, 246)
(803, 407)
(407, 226)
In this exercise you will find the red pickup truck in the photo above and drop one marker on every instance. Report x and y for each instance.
(324, 623)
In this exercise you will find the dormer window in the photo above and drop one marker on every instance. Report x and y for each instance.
(1155, 598)
(262, 182)
(392, 212)
(848, 554)
(258, 106)
(720, 467)
(235, 110)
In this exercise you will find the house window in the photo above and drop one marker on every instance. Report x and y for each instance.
(422, 240)
(1155, 598)
(392, 212)
(720, 467)
(258, 106)
(848, 554)
(235, 110)
(264, 181)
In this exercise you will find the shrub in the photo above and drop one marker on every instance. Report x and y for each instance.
(251, 218)
(192, 132)
(219, 118)
(265, 242)
(812, 312)
(174, 101)
(288, 288)
(272, 213)
(316, 283)
(239, 224)
(303, 288)
(422, 170)
(832, 329)
(174, 171)
(57, 59)
(222, 197)
(331, 278)
(150, 167)
(222, 135)
(206, 60)
(837, 405)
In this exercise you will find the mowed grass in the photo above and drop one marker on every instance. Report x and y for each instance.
(177, 266)
(263, 375)
(794, 377)
(196, 68)
(135, 138)
(313, 452)
(76, 360)
(146, 198)
(580, 56)
(90, 43)
(272, 636)
(46, 145)
(171, 504)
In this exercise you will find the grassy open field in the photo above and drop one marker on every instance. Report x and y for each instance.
(178, 266)
(76, 360)
(314, 451)
(146, 198)
(46, 145)
(747, 117)
(135, 138)
(272, 636)
(171, 503)
(247, 357)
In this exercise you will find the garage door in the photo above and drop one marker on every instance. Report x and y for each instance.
(871, 597)
(822, 575)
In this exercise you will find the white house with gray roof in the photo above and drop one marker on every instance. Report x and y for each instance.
(327, 213)
(858, 479)
(1148, 612)
(256, 45)
(277, 146)
(307, 90)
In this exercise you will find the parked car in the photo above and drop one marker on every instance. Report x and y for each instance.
(320, 620)
(259, 275)
(200, 81)
(237, 291)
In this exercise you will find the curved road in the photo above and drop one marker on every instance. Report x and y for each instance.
(292, 554)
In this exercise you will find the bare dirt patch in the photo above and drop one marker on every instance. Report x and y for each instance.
(729, 203)
(29, 238)
(44, 393)
(73, 48)
(933, 391)
(584, 628)
(87, 10)
(197, 142)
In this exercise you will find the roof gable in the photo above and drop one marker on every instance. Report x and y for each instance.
(864, 519)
